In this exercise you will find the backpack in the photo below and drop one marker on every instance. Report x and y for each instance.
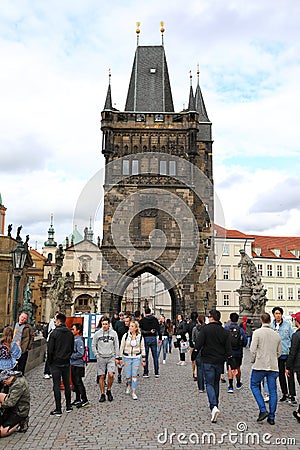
(236, 337)
(86, 356)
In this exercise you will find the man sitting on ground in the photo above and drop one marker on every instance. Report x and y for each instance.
(15, 405)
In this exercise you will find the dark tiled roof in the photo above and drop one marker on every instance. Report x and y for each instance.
(149, 87)
(191, 106)
(200, 106)
(108, 102)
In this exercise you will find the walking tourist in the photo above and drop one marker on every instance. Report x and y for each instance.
(265, 350)
(150, 330)
(132, 351)
(214, 344)
(105, 346)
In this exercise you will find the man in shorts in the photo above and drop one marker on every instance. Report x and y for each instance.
(15, 405)
(105, 347)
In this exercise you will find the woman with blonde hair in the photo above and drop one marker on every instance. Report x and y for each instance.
(10, 351)
(132, 350)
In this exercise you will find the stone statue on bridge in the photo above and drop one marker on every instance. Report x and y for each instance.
(252, 293)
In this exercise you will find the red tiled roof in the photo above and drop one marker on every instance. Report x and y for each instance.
(284, 244)
(233, 234)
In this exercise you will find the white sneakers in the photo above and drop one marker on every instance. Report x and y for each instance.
(128, 389)
(46, 376)
(164, 361)
(134, 396)
(214, 414)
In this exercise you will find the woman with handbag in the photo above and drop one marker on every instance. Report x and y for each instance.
(10, 351)
(182, 343)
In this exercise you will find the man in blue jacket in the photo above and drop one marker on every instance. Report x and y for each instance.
(285, 330)
(77, 367)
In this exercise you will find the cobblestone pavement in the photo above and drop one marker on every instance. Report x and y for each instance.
(169, 404)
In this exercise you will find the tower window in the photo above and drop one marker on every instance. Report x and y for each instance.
(135, 167)
(125, 167)
(163, 167)
(172, 168)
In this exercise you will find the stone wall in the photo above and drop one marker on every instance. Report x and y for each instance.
(37, 353)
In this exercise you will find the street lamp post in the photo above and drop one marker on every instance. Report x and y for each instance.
(19, 257)
(96, 298)
(205, 301)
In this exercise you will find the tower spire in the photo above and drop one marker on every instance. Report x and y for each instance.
(138, 24)
(191, 106)
(199, 102)
(162, 30)
(51, 242)
(108, 101)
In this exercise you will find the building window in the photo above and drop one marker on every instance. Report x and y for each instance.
(290, 293)
(225, 249)
(225, 299)
(279, 271)
(260, 270)
(269, 270)
(163, 167)
(225, 274)
(280, 293)
(125, 167)
(298, 293)
(172, 168)
(289, 271)
(148, 224)
(32, 279)
(135, 167)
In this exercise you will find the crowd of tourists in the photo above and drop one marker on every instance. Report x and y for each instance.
(122, 346)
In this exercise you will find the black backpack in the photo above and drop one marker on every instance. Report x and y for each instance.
(236, 337)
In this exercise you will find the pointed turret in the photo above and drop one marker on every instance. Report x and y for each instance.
(51, 242)
(191, 106)
(199, 102)
(90, 233)
(149, 87)
(108, 101)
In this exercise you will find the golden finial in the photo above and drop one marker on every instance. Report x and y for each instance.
(162, 30)
(138, 24)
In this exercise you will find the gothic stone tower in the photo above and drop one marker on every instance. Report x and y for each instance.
(158, 203)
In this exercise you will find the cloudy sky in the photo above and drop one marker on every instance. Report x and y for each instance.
(55, 56)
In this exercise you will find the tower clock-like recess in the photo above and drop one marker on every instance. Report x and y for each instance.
(158, 202)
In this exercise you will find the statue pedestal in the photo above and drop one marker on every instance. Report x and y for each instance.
(246, 307)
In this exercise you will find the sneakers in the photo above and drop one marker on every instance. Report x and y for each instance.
(55, 413)
(102, 398)
(239, 386)
(157, 376)
(230, 390)
(134, 396)
(262, 416)
(47, 376)
(266, 398)
(109, 396)
(119, 378)
(145, 375)
(69, 409)
(164, 361)
(214, 414)
(182, 363)
(178, 363)
(223, 380)
(284, 398)
(76, 402)
(297, 416)
(201, 391)
(128, 389)
(84, 404)
(292, 400)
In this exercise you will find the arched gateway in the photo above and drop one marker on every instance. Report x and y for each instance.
(158, 191)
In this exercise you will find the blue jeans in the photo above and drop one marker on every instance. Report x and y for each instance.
(212, 375)
(255, 385)
(164, 346)
(151, 343)
(170, 341)
(131, 370)
(200, 375)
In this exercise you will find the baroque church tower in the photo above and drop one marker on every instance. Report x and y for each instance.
(158, 191)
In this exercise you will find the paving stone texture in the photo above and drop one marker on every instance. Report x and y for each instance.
(170, 413)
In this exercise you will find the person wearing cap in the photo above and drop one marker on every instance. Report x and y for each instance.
(293, 361)
(14, 405)
(285, 330)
